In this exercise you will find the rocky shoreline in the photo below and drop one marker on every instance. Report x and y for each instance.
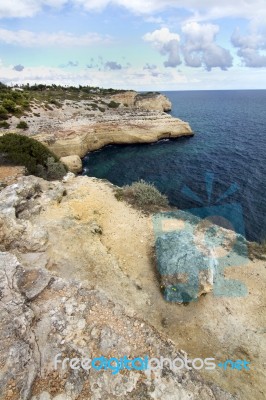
(77, 137)
(77, 127)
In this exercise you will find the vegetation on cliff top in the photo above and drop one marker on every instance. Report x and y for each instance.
(143, 196)
(21, 150)
(23, 100)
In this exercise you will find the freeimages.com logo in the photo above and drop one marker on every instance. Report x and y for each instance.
(195, 246)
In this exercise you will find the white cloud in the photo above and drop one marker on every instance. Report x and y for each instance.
(200, 49)
(167, 43)
(138, 79)
(132, 78)
(32, 39)
(205, 9)
(161, 36)
(26, 8)
(250, 47)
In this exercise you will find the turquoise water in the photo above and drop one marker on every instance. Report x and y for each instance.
(229, 141)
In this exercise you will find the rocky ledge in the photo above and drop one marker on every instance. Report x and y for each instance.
(123, 126)
(77, 277)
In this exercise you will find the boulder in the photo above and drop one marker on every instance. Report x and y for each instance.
(192, 254)
(73, 163)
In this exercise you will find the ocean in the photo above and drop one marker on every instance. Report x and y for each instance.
(229, 148)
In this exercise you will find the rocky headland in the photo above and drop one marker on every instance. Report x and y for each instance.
(77, 127)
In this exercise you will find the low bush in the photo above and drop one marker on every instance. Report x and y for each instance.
(3, 113)
(9, 105)
(113, 104)
(56, 103)
(28, 152)
(142, 195)
(4, 125)
(55, 170)
(22, 125)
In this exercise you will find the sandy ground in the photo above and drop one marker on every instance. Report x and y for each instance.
(9, 175)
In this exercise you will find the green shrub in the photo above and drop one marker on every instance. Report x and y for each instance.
(38, 159)
(55, 170)
(4, 124)
(56, 103)
(113, 104)
(3, 113)
(143, 195)
(22, 125)
(9, 105)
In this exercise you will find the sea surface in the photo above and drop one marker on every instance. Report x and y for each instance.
(223, 164)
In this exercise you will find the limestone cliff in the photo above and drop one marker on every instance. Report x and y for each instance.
(77, 276)
(147, 101)
(77, 127)
(119, 127)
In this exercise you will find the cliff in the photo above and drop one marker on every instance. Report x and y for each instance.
(75, 127)
(147, 101)
(77, 277)
(118, 127)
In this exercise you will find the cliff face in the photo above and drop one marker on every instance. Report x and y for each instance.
(119, 127)
(146, 101)
(77, 127)
(77, 276)
(151, 102)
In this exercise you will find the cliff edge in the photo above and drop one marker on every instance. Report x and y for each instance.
(75, 127)
(77, 273)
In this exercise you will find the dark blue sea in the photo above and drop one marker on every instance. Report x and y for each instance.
(224, 163)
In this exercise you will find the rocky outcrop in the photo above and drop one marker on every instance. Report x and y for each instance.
(79, 127)
(191, 255)
(43, 315)
(126, 98)
(153, 101)
(77, 277)
(121, 127)
(150, 101)
(73, 163)
(72, 320)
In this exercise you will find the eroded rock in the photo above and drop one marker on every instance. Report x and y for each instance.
(36, 328)
(73, 163)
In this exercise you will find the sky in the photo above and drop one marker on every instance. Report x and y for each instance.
(134, 44)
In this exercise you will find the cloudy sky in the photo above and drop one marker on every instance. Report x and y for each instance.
(138, 44)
